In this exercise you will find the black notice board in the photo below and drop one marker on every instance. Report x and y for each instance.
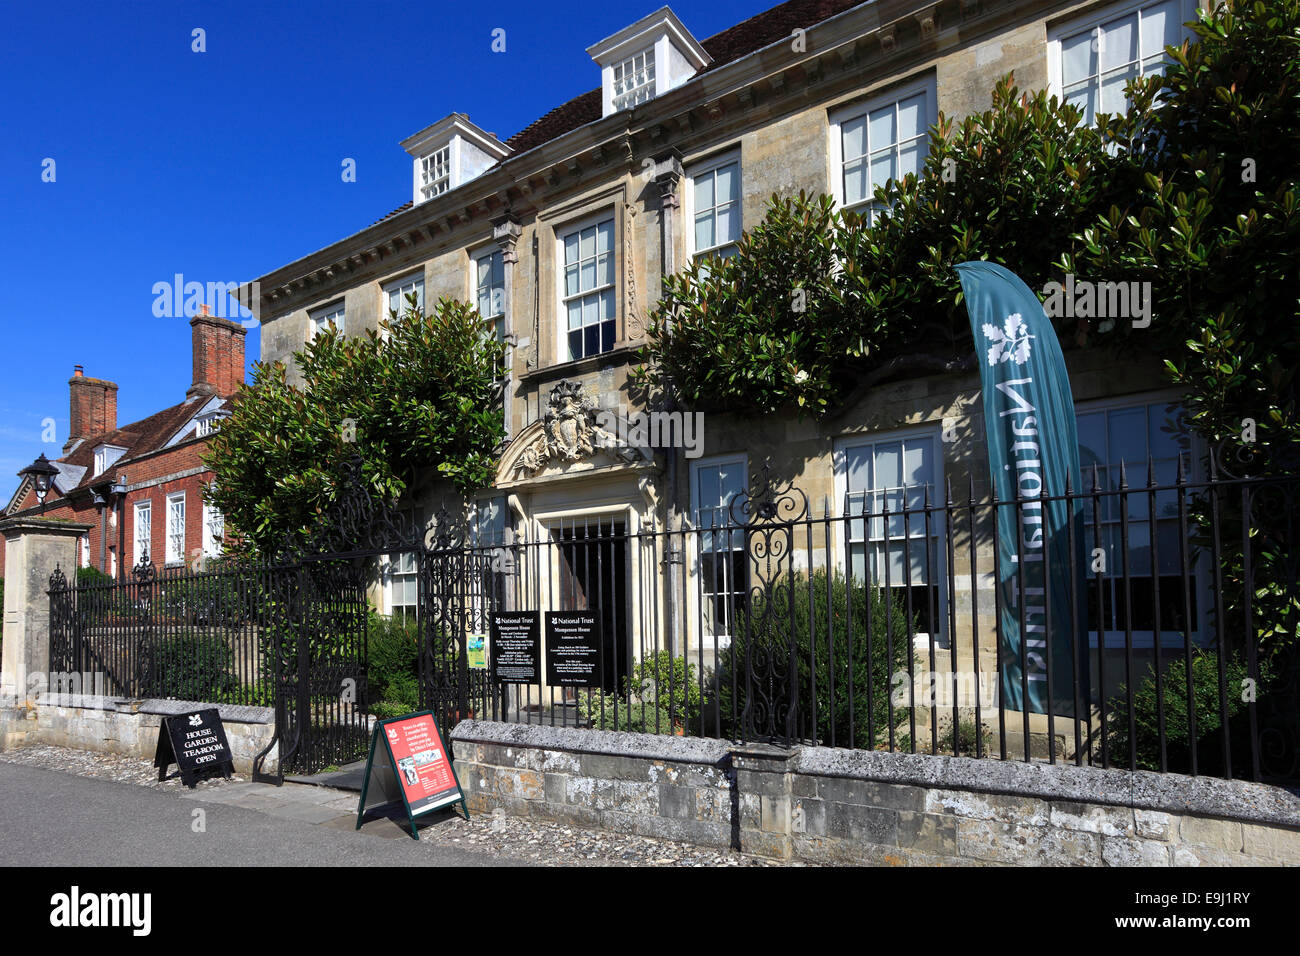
(196, 743)
(517, 647)
(573, 648)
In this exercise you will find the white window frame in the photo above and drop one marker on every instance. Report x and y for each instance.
(645, 90)
(1092, 22)
(213, 539)
(102, 460)
(209, 424)
(85, 551)
(1137, 478)
(391, 567)
(174, 551)
(563, 232)
(843, 114)
(497, 318)
(424, 181)
(141, 549)
(396, 285)
(321, 318)
(843, 542)
(695, 547)
(712, 165)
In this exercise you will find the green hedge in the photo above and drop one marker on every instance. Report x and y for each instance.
(1206, 709)
(393, 668)
(869, 666)
(189, 667)
(664, 696)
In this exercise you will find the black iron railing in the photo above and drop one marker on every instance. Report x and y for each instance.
(886, 623)
(888, 620)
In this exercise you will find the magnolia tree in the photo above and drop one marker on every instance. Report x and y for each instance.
(816, 301)
(421, 395)
(1188, 196)
(1189, 193)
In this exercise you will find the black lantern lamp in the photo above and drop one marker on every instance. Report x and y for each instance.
(42, 473)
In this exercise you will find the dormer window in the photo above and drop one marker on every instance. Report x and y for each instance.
(105, 457)
(647, 59)
(435, 173)
(449, 153)
(206, 425)
(634, 80)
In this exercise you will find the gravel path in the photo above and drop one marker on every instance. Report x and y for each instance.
(524, 840)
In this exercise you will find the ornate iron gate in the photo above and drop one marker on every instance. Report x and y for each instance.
(315, 647)
(460, 586)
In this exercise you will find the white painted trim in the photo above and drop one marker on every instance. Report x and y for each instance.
(315, 315)
(732, 155)
(1072, 27)
(839, 531)
(695, 632)
(174, 498)
(562, 231)
(837, 116)
(138, 508)
(387, 286)
(95, 462)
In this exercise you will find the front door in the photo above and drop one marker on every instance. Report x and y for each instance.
(593, 576)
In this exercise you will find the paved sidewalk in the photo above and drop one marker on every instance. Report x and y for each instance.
(311, 813)
(324, 806)
(49, 818)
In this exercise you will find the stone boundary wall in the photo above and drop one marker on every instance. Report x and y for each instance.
(122, 726)
(827, 805)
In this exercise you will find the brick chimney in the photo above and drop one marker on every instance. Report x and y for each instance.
(92, 405)
(218, 355)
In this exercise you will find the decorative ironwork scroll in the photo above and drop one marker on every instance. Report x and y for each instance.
(768, 510)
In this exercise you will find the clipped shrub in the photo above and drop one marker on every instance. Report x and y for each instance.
(189, 667)
(393, 646)
(858, 709)
(91, 575)
(1206, 709)
(385, 709)
(661, 696)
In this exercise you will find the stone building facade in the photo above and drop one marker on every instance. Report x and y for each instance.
(563, 231)
(140, 486)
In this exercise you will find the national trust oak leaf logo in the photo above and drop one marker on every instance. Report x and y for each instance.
(1010, 343)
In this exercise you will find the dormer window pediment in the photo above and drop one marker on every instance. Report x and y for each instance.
(209, 424)
(105, 457)
(647, 59)
(449, 153)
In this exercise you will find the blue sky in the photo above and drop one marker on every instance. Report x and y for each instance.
(225, 164)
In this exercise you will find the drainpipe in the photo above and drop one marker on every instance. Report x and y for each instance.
(668, 174)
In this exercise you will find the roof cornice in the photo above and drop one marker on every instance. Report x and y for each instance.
(876, 38)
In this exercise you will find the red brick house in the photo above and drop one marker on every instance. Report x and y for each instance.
(140, 486)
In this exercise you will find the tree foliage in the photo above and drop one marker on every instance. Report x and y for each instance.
(420, 393)
(1192, 187)
(817, 301)
(1214, 225)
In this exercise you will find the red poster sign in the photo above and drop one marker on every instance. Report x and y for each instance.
(422, 763)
